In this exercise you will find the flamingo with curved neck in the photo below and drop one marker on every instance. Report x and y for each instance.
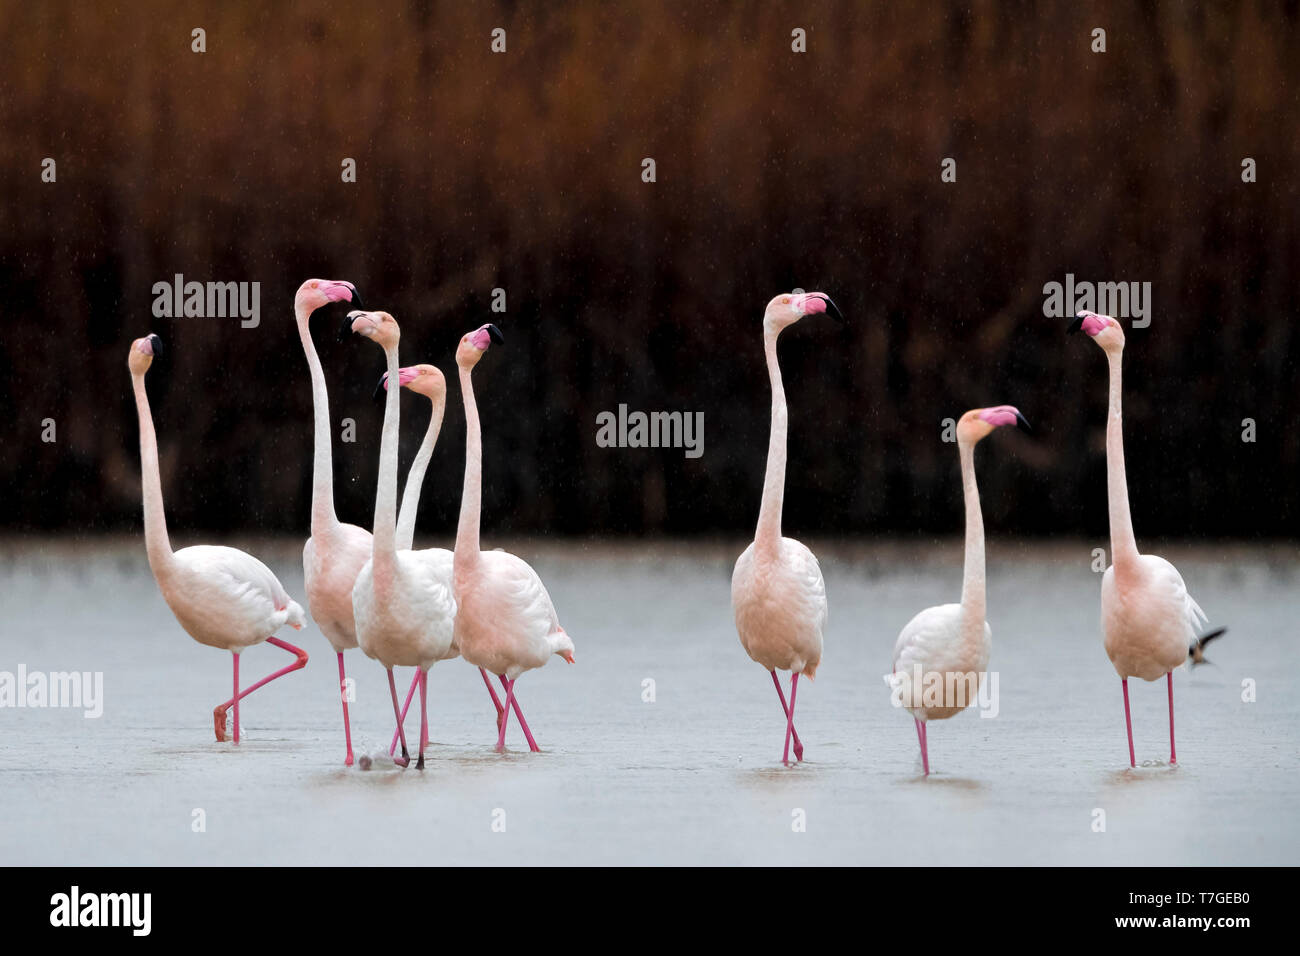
(403, 606)
(335, 552)
(1150, 623)
(222, 597)
(941, 656)
(778, 595)
(505, 621)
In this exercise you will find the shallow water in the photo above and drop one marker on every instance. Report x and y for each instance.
(692, 777)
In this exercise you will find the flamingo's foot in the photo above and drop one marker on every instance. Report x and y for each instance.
(403, 761)
(348, 762)
(500, 748)
(798, 752)
(219, 722)
(419, 764)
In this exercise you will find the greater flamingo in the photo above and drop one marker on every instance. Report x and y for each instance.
(428, 381)
(1150, 622)
(505, 621)
(777, 592)
(403, 606)
(335, 552)
(221, 596)
(942, 654)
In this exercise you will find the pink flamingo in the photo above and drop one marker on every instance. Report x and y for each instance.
(428, 381)
(1150, 622)
(335, 552)
(221, 596)
(777, 592)
(402, 599)
(505, 621)
(942, 654)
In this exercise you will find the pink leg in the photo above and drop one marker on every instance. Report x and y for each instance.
(1173, 755)
(347, 729)
(415, 682)
(505, 716)
(235, 691)
(424, 715)
(528, 735)
(1128, 724)
(798, 745)
(405, 759)
(925, 749)
(789, 718)
(219, 712)
(496, 702)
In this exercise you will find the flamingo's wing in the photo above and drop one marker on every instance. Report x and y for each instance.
(926, 637)
(523, 593)
(234, 582)
(1168, 578)
(812, 585)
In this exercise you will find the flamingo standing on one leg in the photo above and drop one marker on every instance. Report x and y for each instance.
(942, 654)
(223, 597)
(335, 552)
(403, 605)
(428, 381)
(777, 592)
(1149, 620)
(505, 621)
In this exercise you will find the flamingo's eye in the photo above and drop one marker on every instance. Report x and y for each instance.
(785, 300)
(315, 285)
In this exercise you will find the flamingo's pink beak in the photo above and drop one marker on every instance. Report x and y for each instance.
(150, 345)
(813, 303)
(568, 656)
(484, 336)
(1089, 322)
(341, 291)
(1000, 415)
(405, 376)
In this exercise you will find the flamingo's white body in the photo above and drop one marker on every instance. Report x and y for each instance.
(778, 596)
(222, 597)
(1149, 621)
(335, 552)
(403, 606)
(941, 656)
(505, 621)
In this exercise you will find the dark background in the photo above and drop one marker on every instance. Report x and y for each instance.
(775, 170)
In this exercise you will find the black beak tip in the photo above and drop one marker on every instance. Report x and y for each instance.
(155, 343)
(834, 310)
(1023, 424)
(495, 334)
(379, 388)
(1075, 325)
(356, 298)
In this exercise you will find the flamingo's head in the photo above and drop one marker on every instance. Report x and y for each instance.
(789, 307)
(1104, 330)
(979, 422)
(315, 293)
(142, 353)
(379, 327)
(425, 380)
(473, 345)
(563, 645)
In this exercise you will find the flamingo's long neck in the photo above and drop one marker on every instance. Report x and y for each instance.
(972, 585)
(471, 497)
(415, 477)
(322, 487)
(384, 548)
(156, 543)
(1123, 544)
(767, 539)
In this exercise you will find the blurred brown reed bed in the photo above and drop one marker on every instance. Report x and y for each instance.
(774, 170)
